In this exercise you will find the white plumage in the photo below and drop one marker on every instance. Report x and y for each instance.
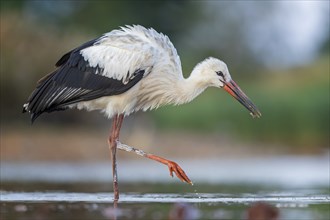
(123, 51)
(135, 47)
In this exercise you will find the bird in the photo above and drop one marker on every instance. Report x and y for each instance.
(123, 71)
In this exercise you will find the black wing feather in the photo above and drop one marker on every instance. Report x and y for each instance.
(67, 56)
(74, 81)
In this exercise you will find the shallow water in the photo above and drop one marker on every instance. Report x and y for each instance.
(161, 198)
(297, 187)
(59, 205)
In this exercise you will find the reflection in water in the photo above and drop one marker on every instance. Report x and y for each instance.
(82, 206)
(112, 212)
(183, 211)
(262, 211)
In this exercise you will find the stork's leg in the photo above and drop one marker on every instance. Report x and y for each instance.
(113, 139)
(172, 166)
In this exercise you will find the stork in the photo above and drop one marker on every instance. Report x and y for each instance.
(123, 71)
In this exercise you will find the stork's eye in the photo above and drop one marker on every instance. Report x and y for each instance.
(220, 73)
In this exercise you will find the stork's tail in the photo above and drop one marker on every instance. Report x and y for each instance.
(33, 116)
(36, 104)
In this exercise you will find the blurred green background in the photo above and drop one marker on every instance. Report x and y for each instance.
(278, 52)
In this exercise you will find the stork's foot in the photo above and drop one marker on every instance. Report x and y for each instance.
(173, 167)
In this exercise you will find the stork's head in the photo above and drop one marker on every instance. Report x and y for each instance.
(214, 72)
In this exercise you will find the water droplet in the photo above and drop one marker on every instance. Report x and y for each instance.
(197, 194)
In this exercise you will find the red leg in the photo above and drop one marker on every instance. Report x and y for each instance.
(114, 135)
(172, 166)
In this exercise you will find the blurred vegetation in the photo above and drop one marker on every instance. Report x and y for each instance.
(294, 102)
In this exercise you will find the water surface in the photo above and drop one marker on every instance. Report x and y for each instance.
(297, 187)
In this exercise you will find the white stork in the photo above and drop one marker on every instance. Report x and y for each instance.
(123, 71)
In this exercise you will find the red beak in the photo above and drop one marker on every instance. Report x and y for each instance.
(233, 89)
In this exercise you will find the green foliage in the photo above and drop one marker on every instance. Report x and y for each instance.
(11, 5)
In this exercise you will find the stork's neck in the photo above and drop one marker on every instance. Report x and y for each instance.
(189, 88)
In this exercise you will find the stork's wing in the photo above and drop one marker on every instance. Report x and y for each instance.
(88, 72)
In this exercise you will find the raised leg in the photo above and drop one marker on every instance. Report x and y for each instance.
(113, 139)
(172, 166)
